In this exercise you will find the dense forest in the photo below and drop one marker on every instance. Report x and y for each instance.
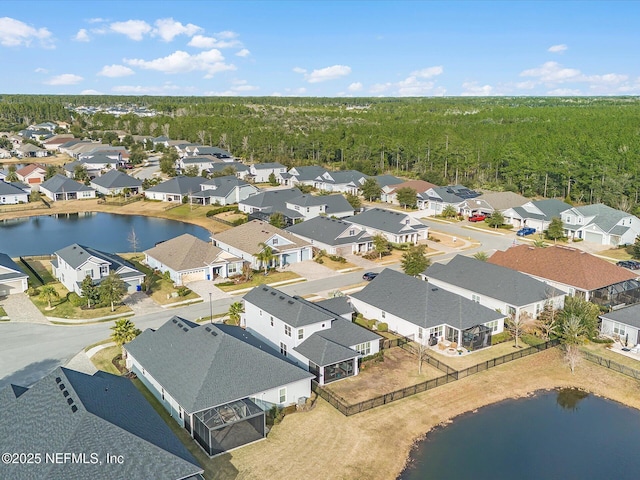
(584, 148)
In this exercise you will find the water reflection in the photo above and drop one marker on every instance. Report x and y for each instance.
(568, 398)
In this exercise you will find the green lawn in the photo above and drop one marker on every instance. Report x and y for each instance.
(601, 350)
(259, 279)
(616, 254)
(103, 360)
(3, 312)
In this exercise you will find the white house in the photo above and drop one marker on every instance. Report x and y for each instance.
(12, 279)
(60, 187)
(623, 324)
(536, 214)
(175, 189)
(12, 195)
(316, 338)
(601, 224)
(260, 172)
(115, 182)
(335, 236)
(397, 227)
(223, 191)
(344, 181)
(434, 200)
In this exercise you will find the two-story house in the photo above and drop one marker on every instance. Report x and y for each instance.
(601, 224)
(260, 172)
(223, 191)
(435, 200)
(302, 175)
(344, 181)
(536, 214)
(316, 338)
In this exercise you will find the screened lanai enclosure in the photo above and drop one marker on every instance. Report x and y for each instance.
(220, 429)
(617, 295)
(477, 337)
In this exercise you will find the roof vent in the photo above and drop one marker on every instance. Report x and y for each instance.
(290, 302)
(434, 289)
(180, 325)
(61, 386)
(273, 293)
(174, 320)
(208, 329)
(69, 400)
(65, 393)
(58, 379)
(214, 333)
(281, 297)
(185, 329)
(74, 409)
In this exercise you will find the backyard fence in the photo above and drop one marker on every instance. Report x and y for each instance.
(120, 202)
(617, 367)
(450, 375)
(25, 262)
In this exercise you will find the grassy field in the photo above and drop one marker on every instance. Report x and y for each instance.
(259, 279)
(103, 360)
(460, 362)
(616, 254)
(601, 350)
(333, 265)
(3, 313)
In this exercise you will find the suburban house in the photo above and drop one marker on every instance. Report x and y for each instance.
(114, 182)
(200, 163)
(311, 206)
(54, 142)
(623, 324)
(301, 175)
(187, 258)
(436, 199)
(601, 224)
(389, 193)
(97, 417)
(335, 236)
(573, 271)
(232, 379)
(174, 189)
(12, 279)
(490, 202)
(4, 153)
(536, 214)
(426, 313)
(32, 174)
(248, 240)
(74, 263)
(316, 338)
(260, 172)
(262, 205)
(12, 195)
(94, 165)
(397, 227)
(60, 187)
(223, 191)
(27, 150)
(215, 152)
(344, 181)
(386, 180)
(238, 169)
(493, 286)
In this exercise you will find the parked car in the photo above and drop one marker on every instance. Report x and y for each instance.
(524, 231)
(369, 276)
(478, 217)
(630, 264)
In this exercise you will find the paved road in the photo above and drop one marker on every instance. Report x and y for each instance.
(30, 351)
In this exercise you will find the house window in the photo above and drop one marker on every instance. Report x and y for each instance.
(300, 333)
(275, 241)
(364, 348)
(475, 298)
(420, 334)
(287, 330)
(511, 310)
(272, 320)
(619, 329)
(180, 412)
(282, 395)
(352, 232)
(538, 308)
(307, 209)
(232, 268)
(88, 273)
(435, 331)
(384, 314)
(493, 325)
(104, 270)
(283, 349)
(406, 222)
(260, 312)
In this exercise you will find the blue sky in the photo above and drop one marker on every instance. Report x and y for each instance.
(328, 48)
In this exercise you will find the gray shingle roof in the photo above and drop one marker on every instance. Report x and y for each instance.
(322, 351)
(337, 305)
(272, 198)
(384, 180)
(6, 262)
(627, 315)
(8, 189)
(222, 185)
(308, 173)
(116, 179)
(59, 184)
(218, 167)
(422, 304)
(180, 185)
(268, 166)
(492, 281)
(344, 177)
(326, 230)
(184, 252)
(203, 366)
(75, 255)
(384, 220)
(69, 411)
(605, 217)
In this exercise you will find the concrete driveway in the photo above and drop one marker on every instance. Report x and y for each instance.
(311, 270)
(20, 308)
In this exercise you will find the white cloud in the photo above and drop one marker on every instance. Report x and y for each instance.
(200, 41)
(91, 92)
(64, 79)
(557, 48)
(291, 92)
(210, 62)
(97, 20)
(14, 33)
(412, 86)
(115, 71)
(428, 72)
(528, 85)
(41, 70)
(168, 29)
(240, 87)
(355, 87)
(552, 72)
(227, 34)
(243, 53)
(134, 29)
(299, 70)
(82, 35)
(327, 73)
(472, 89)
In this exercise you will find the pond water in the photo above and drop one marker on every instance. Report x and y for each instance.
(104, 231)
(564, 434)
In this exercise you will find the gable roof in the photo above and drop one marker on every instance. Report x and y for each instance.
(343, 177)
(248, 237)
(628, 315)
(76, 255)
(69, 411)
(549, 209)
(562, 264)
(219, 166)
(605, 217)
(494, 281)
(60, 183)
(384, 180)
(27, 169)
(324, 351)
(7, 263)
(274, 198)
(205, 366)
(327, 230)
(336, 203)
(336, 305)
(222, 186)
(214, 151)
(180, 185)
(307, 173)
(184, 253)
(450, 194)
(381, 219)
(418, 185)
(268, 166)
(503, 200)
(10, 189)
(422, 304)
(116, 179)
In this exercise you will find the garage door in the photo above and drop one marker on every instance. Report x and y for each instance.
(193, 276)
(305, 254)
(593, 237)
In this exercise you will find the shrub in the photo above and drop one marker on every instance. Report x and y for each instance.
(76, 300)
(338, 258)
(376, 357)
(500, 338)
(319, 260)
(382, 327)
(604, 340)
(531, 340)
(239, 221)
(225, 284)
(227, 208)
(33, 291)
(401, 246)
(576, 240)
(183, 291)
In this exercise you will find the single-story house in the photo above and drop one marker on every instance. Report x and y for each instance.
(187, 258)
(317, 339)
(89, 426)
(174, 189)
(260, 172)
(215, 152)
(493, 286)
(246, 242)
(426, 313)
(623, 323)
(74, 263)
(200, 162)
(32, 174)
(490, 202)
(573, 271)
(397, 227)
(436, 199)
(12, 195)
(536, 214)
(336, 237)
(12, 279)
(389, 193)
(239, 169)
(223, 191)
(601, 224)
(60, 187)
(344, 181)
(232, 379)
(386, 180)
(114, 182)
(27, 150)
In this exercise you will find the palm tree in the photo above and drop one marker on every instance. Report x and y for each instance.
(482, 256)
(124, 330)
(235, 311)
(48, 293)
(449, 211)
(265, 256)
